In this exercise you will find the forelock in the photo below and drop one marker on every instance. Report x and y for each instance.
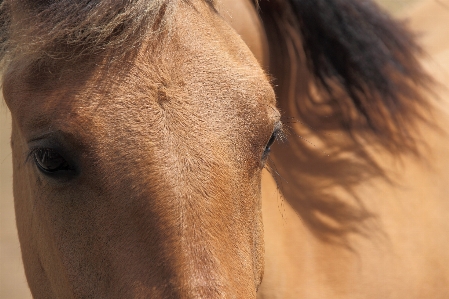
(70, 30)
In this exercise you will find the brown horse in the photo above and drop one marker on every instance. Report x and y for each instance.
(141, 139)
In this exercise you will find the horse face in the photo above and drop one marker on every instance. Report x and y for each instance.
(142, 179)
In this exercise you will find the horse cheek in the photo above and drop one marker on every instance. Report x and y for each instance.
(29, 216)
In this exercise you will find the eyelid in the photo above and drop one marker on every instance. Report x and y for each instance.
(49, 135)
(60, 141)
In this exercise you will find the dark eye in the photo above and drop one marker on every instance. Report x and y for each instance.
(50, 161)
(270, 143)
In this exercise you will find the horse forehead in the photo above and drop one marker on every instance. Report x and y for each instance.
(203, 59)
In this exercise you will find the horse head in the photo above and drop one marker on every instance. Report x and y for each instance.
(137, 170)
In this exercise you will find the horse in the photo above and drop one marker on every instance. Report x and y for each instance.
(145, 161)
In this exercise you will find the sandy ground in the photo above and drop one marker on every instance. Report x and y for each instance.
(12, 279)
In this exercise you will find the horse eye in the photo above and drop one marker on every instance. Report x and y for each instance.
(272, 139)
(50, 161)
(270, 142)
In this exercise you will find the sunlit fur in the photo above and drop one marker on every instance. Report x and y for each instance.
(166, 114)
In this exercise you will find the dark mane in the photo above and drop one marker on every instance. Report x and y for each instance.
(341, 66)
(364, 66)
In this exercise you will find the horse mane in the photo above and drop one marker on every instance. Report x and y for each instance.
(347, 78)
(364, 66)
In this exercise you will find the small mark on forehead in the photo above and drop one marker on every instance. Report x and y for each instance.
(162, 93)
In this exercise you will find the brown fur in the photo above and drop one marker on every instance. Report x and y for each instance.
(147, 211)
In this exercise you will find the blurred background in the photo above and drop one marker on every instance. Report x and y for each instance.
(12, 278)
(395, 6)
